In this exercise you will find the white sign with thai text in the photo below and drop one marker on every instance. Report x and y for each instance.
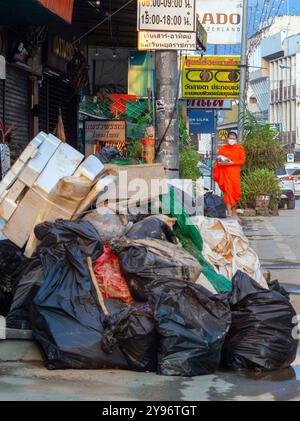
(166, 15)
(154, 40)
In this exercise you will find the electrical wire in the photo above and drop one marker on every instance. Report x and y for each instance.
(261, 15)
(271, 8)
(254, 15)
(103, 21)
(279, 6)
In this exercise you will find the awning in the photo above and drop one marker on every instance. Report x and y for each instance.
(62, 8)
(35, 12)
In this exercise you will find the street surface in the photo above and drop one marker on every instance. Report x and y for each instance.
(277, 241)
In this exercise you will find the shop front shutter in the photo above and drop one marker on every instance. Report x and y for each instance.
(17, 105)
(55, 94)
(1, 99)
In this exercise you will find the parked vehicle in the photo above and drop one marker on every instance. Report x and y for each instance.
(293, 170)
(287, 187)
(206, 172)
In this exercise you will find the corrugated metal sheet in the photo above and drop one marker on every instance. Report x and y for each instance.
(17, 103)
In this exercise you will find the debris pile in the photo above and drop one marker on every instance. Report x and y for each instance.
(102, 284)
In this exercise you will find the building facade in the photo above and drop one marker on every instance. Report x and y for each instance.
(274, 84)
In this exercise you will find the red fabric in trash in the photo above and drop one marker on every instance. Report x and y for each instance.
(108, 273)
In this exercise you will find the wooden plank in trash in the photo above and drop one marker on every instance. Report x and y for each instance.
(102, 188)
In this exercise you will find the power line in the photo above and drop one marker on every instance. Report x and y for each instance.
(271, 8)
(103, 21)
(254, 15)
(261, 15)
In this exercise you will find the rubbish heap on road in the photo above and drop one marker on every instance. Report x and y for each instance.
(101, 284)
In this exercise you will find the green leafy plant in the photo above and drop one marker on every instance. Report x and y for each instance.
(260, 181)
(135, 149)
(261, 142)
(187, 153)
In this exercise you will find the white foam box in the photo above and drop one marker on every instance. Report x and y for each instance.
(23, 220)
(63, 163)
(10, 198)
(90, 168)
(37, 164)
(29, 152)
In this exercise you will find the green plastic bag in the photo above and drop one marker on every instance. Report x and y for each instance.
(191, 239)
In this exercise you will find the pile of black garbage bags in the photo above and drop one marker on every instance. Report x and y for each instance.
(174, 326)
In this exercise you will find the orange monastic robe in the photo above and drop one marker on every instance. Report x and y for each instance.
(229, 177)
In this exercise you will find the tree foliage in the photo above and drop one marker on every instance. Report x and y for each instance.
(188, 153)
(263, 149)
(260, 181)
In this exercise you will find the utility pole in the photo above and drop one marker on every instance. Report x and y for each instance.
(167, 124)
(214, 140)
(243, 78)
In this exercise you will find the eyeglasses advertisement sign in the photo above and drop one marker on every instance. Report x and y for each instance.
(211, 77)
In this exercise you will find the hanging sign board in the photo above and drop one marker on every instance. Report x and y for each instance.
(201, 121)
(154, 40)
(211, 77)
(209, 104)
(167, 15)
(222, 20)
(110, 131)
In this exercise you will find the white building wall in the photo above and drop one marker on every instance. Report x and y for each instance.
(284, 97)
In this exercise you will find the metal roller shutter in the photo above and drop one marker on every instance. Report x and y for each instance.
(17, 106)
(1, 99)
(55, 93)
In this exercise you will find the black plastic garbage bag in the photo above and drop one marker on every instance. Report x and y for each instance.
(133, 330)
(192, 324)
(261, 334)
(152, 227)
(108, 154)
(62, 231)
(275, 286)
(12, 265)
(31, 281)
(53, 237)
(214, 206)
(66, 319)
(147, 260)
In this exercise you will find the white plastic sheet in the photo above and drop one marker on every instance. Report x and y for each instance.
(227, 248)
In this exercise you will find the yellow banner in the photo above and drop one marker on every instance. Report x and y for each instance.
(211, 77)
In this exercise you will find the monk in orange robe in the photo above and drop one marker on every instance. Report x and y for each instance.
(228, 174)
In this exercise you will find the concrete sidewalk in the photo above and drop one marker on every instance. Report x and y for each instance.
(23, 375)
(277, 243)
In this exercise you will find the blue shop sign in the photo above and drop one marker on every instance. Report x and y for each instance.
(201, 121)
